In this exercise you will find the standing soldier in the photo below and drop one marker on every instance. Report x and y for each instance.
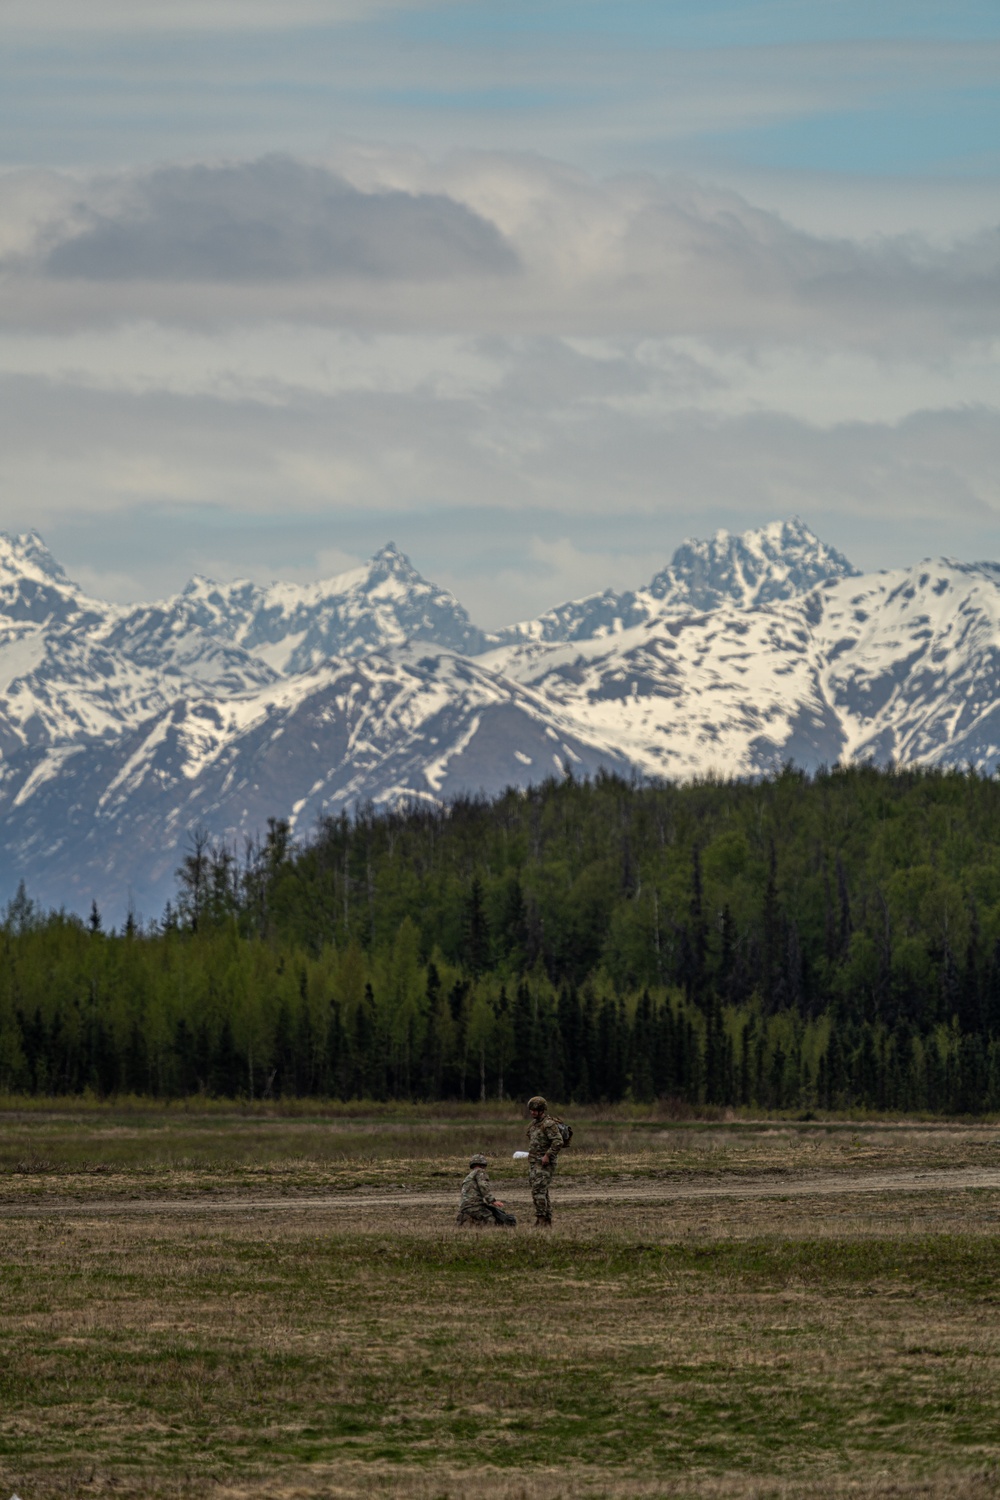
(478, 1205)
(544, 1144)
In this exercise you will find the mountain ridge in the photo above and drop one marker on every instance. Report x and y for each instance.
(745, 569)
(123, 727)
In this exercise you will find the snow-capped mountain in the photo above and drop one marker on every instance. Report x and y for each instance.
(123, 728)
(911, 663)
(732, 691)
(776, 562)
(408, 722)
(73, 668)
(34, 590)
(902, 665)
(294, 627)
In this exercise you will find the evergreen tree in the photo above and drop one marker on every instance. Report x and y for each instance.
(643, 1050)
(524, 1043)
(477, 932)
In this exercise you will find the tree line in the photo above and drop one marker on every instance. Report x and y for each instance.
(798, 943)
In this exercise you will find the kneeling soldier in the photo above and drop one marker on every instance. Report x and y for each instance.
(478, 1205)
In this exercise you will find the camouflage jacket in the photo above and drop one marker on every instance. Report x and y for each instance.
(476, 1192)
(544, 1137)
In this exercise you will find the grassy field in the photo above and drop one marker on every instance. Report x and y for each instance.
(262, 1343)
(207, 1148)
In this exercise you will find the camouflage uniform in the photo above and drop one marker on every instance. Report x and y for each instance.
(476, 1196)
(544, 1138)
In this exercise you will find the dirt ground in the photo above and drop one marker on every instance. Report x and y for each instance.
(240, 1309)
(847, 1207)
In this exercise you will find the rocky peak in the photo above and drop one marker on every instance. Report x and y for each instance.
(26, 556)
(390, 562)
(753, 567)
(391, 556)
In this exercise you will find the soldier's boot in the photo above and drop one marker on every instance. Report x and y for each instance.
(541, 1223)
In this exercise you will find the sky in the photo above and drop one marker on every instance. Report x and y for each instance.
(534, 290)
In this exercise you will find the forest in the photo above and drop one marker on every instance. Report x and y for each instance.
(800, 943)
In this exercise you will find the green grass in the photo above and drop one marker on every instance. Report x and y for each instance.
(137, 1147)
(738, 1348)
(151, 1356)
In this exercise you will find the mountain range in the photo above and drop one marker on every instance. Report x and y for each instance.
(123, 728)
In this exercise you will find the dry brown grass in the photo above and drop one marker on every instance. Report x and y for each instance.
(560, 1483)
(794, 1345)
(556, 1482)
(177, 1150)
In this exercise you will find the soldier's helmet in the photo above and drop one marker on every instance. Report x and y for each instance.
(478, 1161)
(537, 1102)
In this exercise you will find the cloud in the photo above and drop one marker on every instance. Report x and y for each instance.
(561, 477)
(273, 220)
(653, 379)
(126, 17)
(480, 75)
(520, 372)
(582, 455)
(485, 244)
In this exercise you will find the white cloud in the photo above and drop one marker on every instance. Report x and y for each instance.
(485, 245)
(273, 364)
(666, 356)
(530, 446)
(132, 16)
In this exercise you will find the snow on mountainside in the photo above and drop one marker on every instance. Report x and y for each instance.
(894, 666)
(76, 669)
(731, 691)
(407, 722)
(26, 559)
(910, 663)
(35, 590)
(59, 687)
(293, 627)
(775, 562)
(124, 727)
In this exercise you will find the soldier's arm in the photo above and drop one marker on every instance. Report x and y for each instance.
(553, 1140)
(485, 1191)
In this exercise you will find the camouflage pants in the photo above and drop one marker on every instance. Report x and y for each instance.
(539, 1178)
(475, 1216)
